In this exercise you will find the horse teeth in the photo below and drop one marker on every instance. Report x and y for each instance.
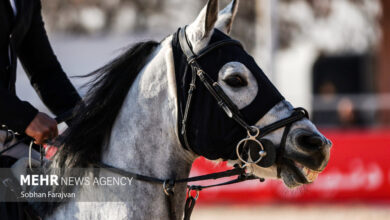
(311, 175)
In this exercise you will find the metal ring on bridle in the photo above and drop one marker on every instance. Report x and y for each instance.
(168, 188)
(254, 129)
(251, 137)
(262, 153)
(196, 196)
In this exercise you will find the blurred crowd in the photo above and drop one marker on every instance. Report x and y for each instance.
(296, 19)
(336, 71)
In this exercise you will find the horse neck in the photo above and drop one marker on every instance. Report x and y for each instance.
(144, 136)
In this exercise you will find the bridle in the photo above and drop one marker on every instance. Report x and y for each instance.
(232, 111)
(223, 100)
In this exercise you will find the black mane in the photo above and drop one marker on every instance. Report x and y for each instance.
(82, 142)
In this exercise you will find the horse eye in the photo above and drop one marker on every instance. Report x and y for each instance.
(235, 81)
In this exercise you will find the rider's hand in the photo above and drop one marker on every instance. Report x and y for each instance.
(42, 128)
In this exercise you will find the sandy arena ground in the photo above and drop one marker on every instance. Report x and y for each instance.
(292, 212)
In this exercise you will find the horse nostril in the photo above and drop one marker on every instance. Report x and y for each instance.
(310, 141)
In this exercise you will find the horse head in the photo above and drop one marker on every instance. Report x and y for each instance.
(296, 158)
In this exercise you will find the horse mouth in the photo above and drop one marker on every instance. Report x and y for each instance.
(309, 174)
(295, 174)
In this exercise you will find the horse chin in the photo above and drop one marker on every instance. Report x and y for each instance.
(295, 174)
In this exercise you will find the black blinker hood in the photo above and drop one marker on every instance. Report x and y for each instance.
(210, 132)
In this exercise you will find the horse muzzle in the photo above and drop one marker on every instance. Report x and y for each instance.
(306, 155)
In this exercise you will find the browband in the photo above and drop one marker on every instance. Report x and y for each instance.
(186, 46)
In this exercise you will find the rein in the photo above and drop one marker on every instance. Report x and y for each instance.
(68, 115)
(169, 184)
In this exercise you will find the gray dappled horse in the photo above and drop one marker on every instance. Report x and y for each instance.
(130, 121)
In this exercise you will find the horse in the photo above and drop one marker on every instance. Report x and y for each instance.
(135, 118)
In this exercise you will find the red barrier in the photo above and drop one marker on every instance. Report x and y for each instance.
(358, 171)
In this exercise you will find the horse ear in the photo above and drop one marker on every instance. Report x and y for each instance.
(227, 16)
(203, 26)
(211, 16)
